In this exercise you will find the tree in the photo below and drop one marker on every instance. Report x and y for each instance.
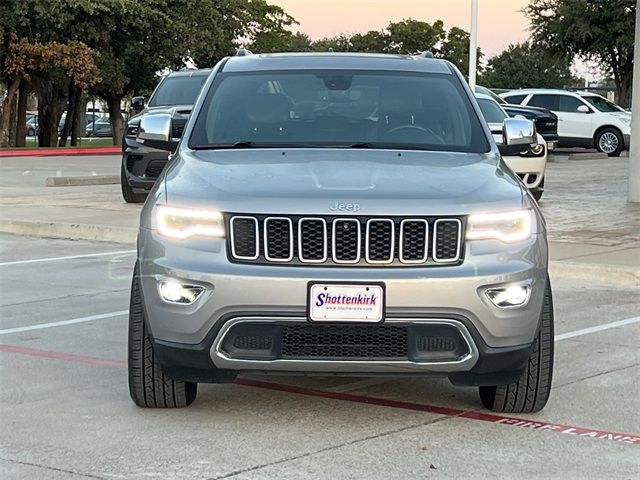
(413, 36)
(339, 43)
(456, 47)
(26, 59)
(526, 66)
(371, 42)
(272, 42)
(600, 30)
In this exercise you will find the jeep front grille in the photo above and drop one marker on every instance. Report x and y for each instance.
(344, 241)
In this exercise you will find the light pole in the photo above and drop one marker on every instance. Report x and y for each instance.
(473, 44)
(634, 151)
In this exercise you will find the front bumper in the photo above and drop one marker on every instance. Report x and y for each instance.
(187, 337)
(529, 169)
(142, 165)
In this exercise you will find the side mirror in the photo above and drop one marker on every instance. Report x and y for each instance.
(583, 109)
(518, 134)
(155, 132)
(137, 103)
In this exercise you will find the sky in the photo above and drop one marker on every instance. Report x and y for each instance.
(500, 22)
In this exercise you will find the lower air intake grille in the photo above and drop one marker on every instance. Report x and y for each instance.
(344, 342)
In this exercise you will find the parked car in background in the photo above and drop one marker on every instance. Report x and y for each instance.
(89, 118)
(31, 127)
(585, 119)
(530, 164)
(141, 165)
(100, 128)
(546, 121)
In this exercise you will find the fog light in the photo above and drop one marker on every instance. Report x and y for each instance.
(513, 296)
(172, 291)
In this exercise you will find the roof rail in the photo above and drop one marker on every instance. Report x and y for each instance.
(243, 52)
(426, 54)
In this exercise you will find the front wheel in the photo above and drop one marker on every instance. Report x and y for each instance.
(609, 141)
(531, 392)
(127, 192)
(148, 385)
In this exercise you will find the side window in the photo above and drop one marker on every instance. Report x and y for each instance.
(515, 99)
(550, 102)
(569, 104)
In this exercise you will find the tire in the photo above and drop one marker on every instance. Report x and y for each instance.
(148, 386)
(531, 392)
(31, 132)
(609, 141)
(127, 192)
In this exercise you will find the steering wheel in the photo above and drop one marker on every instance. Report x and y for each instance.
(417, 128)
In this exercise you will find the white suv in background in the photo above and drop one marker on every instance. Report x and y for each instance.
(585, 119)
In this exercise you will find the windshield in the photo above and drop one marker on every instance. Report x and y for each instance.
(602, 104)
(491, 111)
(337, 108)
(490, 93)
(177, 90)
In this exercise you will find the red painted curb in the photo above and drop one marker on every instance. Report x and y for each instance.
(55, 152)
(349, 397)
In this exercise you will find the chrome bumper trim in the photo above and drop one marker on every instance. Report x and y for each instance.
(344, 366)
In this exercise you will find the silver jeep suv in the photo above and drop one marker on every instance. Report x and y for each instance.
(340, 214)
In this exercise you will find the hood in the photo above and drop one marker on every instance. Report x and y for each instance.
(621, 115)
(312, 181)
(528, 112)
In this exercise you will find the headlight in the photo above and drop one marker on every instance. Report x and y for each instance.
(183, 223)
(626, 120)
(507, 227)
(132, 129)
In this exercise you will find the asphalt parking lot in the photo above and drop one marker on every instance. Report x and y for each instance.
(66, 413)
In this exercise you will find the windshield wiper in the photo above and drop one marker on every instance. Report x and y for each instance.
(360, 145)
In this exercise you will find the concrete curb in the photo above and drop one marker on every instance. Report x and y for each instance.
(82, 181)
(609, 274)
(70, 231)
(588, 156)
(54, 152)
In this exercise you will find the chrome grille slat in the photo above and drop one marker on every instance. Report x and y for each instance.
(380, 239)
(345, 241)
(247, 241)
(308, 246)
(279, 240)
(414, 243)
(346, 251)
(443, 250)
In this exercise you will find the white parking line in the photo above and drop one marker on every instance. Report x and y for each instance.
(70, 257)
(63, 322)
(597, 328)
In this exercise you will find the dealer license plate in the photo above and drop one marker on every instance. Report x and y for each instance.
(332, 302)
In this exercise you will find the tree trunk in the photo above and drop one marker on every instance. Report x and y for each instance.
(49, 111)
(6, 111)
(67, 130)
(623, 92)
(115, 117)
(13, 121)
(78, 125)
(21, 127)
